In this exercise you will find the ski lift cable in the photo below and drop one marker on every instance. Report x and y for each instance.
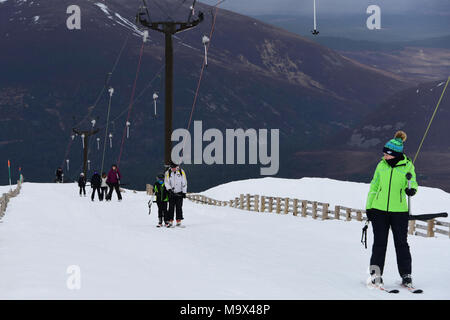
(202, 72)
(67, 151)
(146, 9)
(431, 120)
(203, 69)
(69, 145)
(130, 108)
(111, 92)
(163, 10)
(108, 79)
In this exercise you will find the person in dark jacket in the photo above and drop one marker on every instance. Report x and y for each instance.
(96, 183)
(59, 175)
(113, 181)
(162, 198)
(82, 184)
(387, 208)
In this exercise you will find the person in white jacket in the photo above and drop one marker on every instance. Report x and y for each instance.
(176, 185)
(104, 186)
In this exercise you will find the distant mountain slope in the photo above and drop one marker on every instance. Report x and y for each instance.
(259, 76)
(357, 150)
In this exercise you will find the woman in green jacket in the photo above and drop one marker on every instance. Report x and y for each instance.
(387, 208)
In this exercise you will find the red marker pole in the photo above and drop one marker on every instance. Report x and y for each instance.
(9, 171)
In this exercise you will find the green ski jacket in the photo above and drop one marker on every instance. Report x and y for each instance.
(387, 189)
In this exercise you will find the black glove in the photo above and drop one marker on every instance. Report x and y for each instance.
(184, 195)
(410, 192)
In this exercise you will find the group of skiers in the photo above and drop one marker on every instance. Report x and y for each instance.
(170, 189)
(100, 184)
(387, 207)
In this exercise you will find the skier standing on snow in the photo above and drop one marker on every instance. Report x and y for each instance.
(176, 185)
(113, 182)
(96, 182)
(162, 197)
(387, 208)
(104, 186)
(82, 184)
(59, 175)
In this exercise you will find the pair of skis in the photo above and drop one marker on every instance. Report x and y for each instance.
(395, 291)
(171, 227)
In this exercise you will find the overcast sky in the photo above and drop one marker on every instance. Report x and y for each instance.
(255, 7)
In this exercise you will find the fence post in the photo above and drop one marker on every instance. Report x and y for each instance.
(348, 212)
(286, 205)
(263, 203)
(256, 203)
(270, 204)
(304, 208)
(337, 212)
(248, 202)
(241, 201)
(278, 205)
(412, 227)
(430, 228)
(314, 210)
(325, 211)
(295, 204)
(359, 215)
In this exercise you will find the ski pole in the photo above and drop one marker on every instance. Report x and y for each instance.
(426, 217)
(408, 177)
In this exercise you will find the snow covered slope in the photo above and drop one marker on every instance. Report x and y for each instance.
(223, 253)
(334, 192)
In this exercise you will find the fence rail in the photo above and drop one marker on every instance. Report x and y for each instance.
(314, 209)
(4, 199)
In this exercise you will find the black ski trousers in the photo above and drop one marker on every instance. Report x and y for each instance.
(82, 190)
(381, 223)
(98, 193)
(112, 187)
(162, 211)
(104, 193)
(175, 204)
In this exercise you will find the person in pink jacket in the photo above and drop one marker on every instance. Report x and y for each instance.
(113, 181)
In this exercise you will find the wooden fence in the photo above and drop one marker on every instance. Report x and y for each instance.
(4, 199)
(314, 209)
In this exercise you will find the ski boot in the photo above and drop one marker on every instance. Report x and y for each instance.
(377, 282)
(178, 223)
(160, 223)
(407, 281)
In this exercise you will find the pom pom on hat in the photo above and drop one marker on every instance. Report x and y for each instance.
(401, 135)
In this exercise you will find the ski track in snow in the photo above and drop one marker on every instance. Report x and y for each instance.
(223, 253)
